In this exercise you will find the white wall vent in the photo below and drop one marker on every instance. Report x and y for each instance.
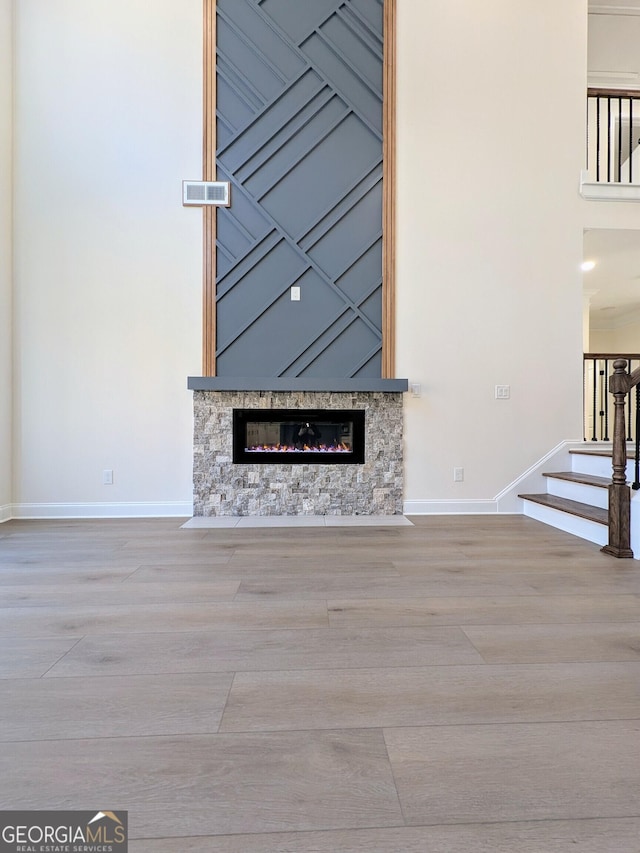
(201, 193)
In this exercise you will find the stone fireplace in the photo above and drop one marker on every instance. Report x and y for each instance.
(303, 483)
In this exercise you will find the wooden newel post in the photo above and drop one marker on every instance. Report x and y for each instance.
(619, 496)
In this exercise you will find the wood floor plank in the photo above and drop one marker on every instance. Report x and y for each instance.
(220, 784)
(159, 618)
(582, 580)
(585, 836)
(54, 708)
(462, 774)
(301, 564)
(477, 610)
(52, 557)
(261, 573)
(61, 544)
(557, 643)
(205, 556)
(31, 658)
(225, 651)
(16, 574)
(513, 549)
(359, 585)
(431, 696)
(97, 527)
(528, 560)
(112, 595)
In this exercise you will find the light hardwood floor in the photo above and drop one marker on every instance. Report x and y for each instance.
(467, 685)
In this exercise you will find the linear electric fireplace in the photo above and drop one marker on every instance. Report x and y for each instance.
(296, 436)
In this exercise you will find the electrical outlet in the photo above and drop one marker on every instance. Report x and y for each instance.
(458, 475)
(503, 392)
(107, 477)
(416, 389)
(295, 293)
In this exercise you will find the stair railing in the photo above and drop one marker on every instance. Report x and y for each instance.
(620, 385)
(597, 400)
(613, 125)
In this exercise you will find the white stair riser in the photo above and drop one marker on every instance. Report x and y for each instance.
(582, 527)
(578, 492)
(599, 466)
(635, 524)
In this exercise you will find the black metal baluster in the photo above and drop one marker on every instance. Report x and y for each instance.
(636, 480)
(601, 401)
(630, 140)
(595, 396)
(619, 140)
(629, 417)
(587, 129)
(606, 400)
(608, 140)
(598, 139)
(585, 400)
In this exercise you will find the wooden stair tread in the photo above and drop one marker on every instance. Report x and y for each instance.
(584, 479)
(606, 452)
(591, 513)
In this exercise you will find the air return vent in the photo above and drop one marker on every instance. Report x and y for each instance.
(200, 193)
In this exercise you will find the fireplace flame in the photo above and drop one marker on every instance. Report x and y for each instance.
(290, 448)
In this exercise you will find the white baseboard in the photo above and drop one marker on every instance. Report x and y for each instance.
(6, 513)
(159, 509)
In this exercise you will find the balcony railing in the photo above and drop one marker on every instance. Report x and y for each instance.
(613, 136)
(598, 404)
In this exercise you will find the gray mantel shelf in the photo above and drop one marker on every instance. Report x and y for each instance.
(264, 383)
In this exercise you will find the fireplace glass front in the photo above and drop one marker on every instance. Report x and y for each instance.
(294, 436)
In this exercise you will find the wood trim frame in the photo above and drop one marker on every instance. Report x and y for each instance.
(209, 174)
(388, 203)
(389, 193)
(599, 92)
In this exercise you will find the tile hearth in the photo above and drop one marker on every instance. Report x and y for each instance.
(228, 522)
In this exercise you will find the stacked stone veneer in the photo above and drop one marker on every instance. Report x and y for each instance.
(222, 488)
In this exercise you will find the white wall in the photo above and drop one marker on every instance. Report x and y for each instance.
(490, 239)
(107, 262)
(602, 340)
(108, 268)
(6, 76)
(624, 339)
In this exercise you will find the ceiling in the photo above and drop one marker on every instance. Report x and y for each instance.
(613, 7)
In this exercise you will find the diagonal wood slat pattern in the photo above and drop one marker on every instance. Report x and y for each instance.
(299, 132)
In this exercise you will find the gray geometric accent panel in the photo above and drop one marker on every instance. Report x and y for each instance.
(299, 131)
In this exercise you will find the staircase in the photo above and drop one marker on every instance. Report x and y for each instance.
(576, 501)
(594, 499)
